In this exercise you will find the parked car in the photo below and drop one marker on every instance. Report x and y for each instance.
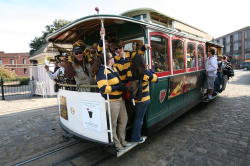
(245, 65)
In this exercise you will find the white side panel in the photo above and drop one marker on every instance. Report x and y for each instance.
(86, 114)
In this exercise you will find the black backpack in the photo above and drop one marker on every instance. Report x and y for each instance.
(231, 73)
(228, 70)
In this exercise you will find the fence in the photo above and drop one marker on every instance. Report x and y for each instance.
(16, 89)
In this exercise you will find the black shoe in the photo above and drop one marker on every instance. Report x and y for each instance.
(215, 93)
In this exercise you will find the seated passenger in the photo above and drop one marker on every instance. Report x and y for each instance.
(114, 88)
(82, 69)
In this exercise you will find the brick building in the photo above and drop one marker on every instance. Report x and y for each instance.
(17, 62)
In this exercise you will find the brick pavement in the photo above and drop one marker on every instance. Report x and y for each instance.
(27, 126)
(215, 134)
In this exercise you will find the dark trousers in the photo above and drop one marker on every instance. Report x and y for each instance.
(140, 110)
(218, 82)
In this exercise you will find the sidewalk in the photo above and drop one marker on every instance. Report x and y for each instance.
(14, 106)
(28, 126)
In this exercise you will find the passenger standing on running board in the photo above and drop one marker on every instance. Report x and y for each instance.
(143, 77)
(211, 71)
(114, 88)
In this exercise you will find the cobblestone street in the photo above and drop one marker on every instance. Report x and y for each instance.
(27, 126)
(217, 133)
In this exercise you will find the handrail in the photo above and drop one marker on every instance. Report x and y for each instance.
(79, 86)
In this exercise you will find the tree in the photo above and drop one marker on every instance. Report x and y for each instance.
(37, 42)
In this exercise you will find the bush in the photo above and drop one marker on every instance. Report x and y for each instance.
(17, 81)
(7, 74)
(23, 80)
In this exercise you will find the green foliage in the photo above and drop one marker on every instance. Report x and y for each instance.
(7, 74)
(23, 80)
(37, 42)
(17, 81)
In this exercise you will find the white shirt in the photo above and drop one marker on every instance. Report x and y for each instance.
(55, 75)
(211, 66)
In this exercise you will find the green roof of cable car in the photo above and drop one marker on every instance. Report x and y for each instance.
(52, 37)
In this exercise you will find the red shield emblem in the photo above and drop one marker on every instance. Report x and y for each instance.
(162, 95)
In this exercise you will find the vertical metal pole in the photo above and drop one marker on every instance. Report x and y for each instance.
(171, 55)
(2, 89)
(105, 64)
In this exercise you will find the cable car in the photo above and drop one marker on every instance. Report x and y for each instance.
(176, 56)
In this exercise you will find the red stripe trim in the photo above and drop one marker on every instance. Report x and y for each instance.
(179, 71)
(162, 74)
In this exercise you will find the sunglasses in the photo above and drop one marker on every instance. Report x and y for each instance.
(78, 53)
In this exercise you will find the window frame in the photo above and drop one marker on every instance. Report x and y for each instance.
(12, 60)
(196, 56)
(205, 55)
(184, 48)
(24, 61)
(164, 73)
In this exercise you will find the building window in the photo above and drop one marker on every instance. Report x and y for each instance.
(1, 61)
(236, 37)
(191, 57)
(12, 61)
(247, 44)
(221, 41)
(227, 48)
(228, 40)
(239, 35)
(25, 71)
(201, 56)
(247, 56)
(247, 34)
(160, 60)
(178, 54)
(24, 61)
(236, 46)
(140, 17)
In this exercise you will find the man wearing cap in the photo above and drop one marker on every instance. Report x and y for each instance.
(64, 74)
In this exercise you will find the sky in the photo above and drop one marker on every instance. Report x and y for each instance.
(23, 20)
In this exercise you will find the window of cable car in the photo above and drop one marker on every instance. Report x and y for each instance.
(160, 60)
(191, 55)
(178, 54)
(201, 56)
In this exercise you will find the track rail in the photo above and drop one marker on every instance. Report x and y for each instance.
(45, 154)
(72, 153)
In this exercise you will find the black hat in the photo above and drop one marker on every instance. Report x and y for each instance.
(77, 49)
